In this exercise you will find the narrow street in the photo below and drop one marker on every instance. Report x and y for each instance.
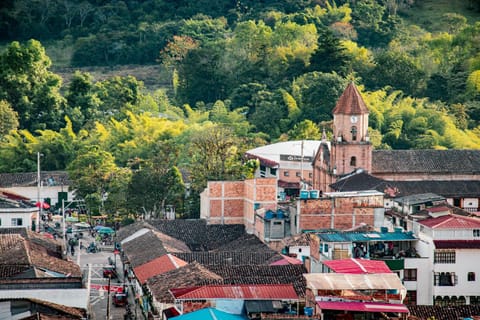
(101, 300)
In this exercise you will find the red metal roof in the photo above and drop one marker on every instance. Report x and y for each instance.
(451, 221)
(157, 266)
(357, 266)
(362, 306)
(457, 244)
(243, 292)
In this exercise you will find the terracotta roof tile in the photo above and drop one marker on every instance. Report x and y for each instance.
(350, 102)
(143, 249)
(452, 312)
(24, 179)
(125, 232)
(41, 259)
(65, 312)
(451, 188)
(197, 235)
(17, 248)
(234, 258)
(432, 161)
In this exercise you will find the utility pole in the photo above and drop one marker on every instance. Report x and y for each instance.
(108, 297)
(39, 184)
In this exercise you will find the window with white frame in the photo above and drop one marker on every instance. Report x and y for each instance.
(17, 222)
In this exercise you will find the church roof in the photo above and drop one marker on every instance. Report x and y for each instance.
(350, 102)
(361, 180)
(431, 161)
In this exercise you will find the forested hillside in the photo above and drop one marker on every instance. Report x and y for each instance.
(227, 76)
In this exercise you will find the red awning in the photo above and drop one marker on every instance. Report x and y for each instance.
(363, 306)
(357, 266)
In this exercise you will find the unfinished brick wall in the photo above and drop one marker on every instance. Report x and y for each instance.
(346, 213)
(233, 202)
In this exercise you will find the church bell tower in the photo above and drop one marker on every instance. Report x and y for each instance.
(351, 148)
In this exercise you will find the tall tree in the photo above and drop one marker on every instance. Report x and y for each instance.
(30, 88)
(8, 118)
(92, 172)
(214, 156)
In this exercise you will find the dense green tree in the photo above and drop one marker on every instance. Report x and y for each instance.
(201, 77)
(118, 96)
(92, 172)
(8, 118)
(305, 130)
(204, 29)
(29, 87)
(214, 156)
(17, 152)
(153, 187)
(269, 112)
(330, 55)
(399, 71)
(317, 93)
(83, 102)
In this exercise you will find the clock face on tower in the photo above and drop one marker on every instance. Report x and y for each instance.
(354, 119)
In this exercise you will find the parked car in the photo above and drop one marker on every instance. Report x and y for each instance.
(120, 299)
(109, 272)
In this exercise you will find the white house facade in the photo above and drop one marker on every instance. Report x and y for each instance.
(452, 245)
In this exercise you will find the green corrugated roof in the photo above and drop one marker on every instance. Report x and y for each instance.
(366, 236)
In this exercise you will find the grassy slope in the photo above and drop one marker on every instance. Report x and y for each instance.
(428, 13)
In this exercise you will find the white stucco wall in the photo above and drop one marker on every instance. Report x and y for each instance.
(26, 214)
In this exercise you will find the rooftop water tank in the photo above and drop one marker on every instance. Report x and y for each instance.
(280, 214)
(304, 194)
(314, 194)
(269, 214)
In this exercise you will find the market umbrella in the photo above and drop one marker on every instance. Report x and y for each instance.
(42, 204)
(96, 228)
(82, 225)
(106, 230)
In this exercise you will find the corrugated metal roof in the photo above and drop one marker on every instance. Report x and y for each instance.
(366, 236)
(363, 306)
(159, 265)
(343, 281)
(357, 266)
(244, 292)
(451, 221)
